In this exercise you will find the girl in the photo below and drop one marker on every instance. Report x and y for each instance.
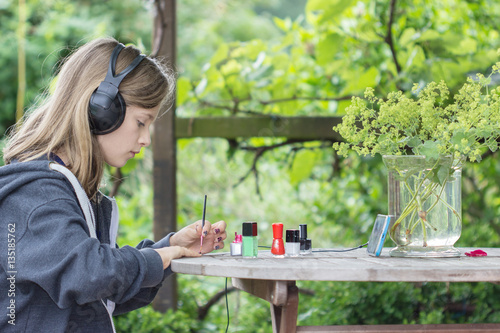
(60, 268)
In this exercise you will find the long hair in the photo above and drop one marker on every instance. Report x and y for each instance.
(61, 122)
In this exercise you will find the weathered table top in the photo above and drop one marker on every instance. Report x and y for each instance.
(355, 265)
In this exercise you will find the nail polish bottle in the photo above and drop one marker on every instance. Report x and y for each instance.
(278, 246)
(236, 245)
(255, 239)
(292, 246)
(305, 243)
(247, 240)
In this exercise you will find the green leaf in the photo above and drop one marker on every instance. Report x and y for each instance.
(129, 166)
(429, 35)
(407, 36)
(302, 166)
(493, 145)
(457, 137)
(330, 8)
(359, 81)
(457, 45)
(183, 88)
(442, 174)
(430, 150)
(221, 54)
(200, 88)
(231, 67)
(416, 57)
(342, 105)
(327, 47)
(283, 24)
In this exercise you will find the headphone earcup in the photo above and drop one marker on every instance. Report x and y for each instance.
(106, 114)
(107, 106)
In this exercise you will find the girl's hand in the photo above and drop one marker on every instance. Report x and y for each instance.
(189, 237)
(167, 254)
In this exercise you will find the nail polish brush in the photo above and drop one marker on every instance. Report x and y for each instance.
(203, 222)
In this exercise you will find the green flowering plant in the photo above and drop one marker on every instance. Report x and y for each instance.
(446, 131)
(429, 125)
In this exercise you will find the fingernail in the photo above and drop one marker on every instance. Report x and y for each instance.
(205, 232)
(217, 230)
(219, 239)
(217, 247)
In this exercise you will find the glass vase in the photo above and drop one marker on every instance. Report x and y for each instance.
(425, 199)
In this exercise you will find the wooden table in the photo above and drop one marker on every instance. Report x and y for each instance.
(274, 280)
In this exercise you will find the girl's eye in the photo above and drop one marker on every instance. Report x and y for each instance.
(140, 124)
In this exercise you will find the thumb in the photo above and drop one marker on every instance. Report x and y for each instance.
(185, 252)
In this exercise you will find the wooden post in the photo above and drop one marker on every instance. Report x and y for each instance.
(164, 150)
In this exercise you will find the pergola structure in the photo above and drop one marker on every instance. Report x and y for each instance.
(168, 128)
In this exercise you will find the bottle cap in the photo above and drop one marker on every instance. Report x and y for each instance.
(303, 231)
(254, 228)
(247, 229)
(292, 236)
(277, 230)
(237, 238)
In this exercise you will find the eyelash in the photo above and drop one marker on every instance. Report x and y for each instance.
(140, 124)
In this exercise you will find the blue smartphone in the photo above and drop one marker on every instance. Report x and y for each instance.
(379, 232)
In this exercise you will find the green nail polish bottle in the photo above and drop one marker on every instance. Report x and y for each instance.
(248, 240)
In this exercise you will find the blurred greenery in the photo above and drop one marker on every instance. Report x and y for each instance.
(284, 58)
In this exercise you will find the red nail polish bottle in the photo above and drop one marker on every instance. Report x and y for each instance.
(278, 246)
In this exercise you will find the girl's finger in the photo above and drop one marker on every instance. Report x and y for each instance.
(202, 229)
(218, 245)
(220, 237)
(206, 228)
(219, 227)
(189, 253)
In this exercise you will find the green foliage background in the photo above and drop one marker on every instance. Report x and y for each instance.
(285, 58)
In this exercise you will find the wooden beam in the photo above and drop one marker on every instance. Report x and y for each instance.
(275, 292)
(164, 151)
(305, 128)
(429, 328)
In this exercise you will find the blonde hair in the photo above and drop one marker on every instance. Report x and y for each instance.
(61, 122)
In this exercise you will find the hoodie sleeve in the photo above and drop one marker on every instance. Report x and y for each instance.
(57, 254)
(164, 242)
(146, 295)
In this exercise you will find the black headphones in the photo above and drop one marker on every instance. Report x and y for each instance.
(107, 106)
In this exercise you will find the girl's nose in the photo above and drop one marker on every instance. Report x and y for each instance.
(145, 138)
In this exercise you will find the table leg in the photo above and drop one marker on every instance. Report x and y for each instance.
(283, 296)
(284, 317)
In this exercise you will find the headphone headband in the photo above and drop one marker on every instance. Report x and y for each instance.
(106, 106)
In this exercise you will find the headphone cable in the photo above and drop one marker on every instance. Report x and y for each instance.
(343, 250)
(329, 250)
(227, 306)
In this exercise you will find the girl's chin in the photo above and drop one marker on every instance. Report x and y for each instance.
(117, 164)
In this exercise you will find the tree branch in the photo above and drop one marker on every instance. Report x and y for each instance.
(203, 310)
(158, 40)
(259, 152)
(253, 169)
(236, 102)
(117, 182)
(307, 98)
(388, 37)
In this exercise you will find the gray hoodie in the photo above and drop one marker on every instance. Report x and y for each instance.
(53, 276)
